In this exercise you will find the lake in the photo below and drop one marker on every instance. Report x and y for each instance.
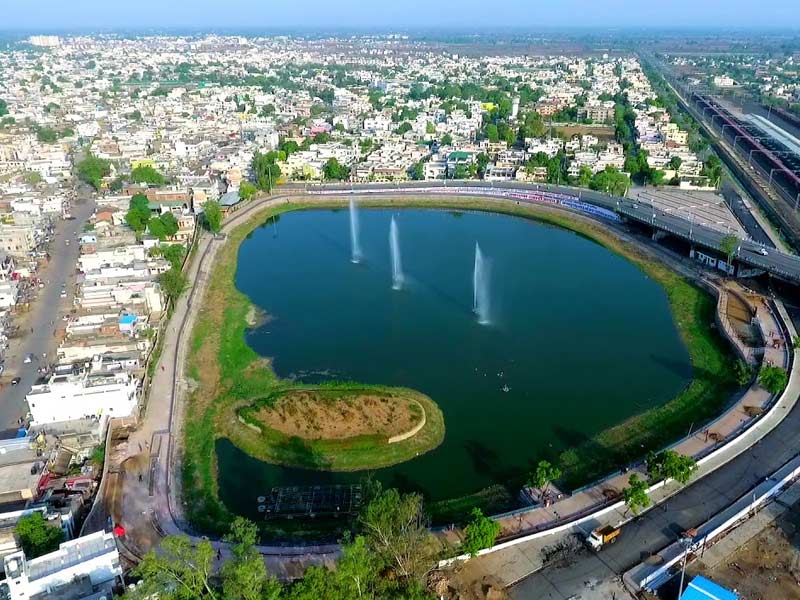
(579, 338)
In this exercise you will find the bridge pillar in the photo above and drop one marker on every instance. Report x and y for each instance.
(658, 235)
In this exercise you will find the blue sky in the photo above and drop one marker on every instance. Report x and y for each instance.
(396, 14)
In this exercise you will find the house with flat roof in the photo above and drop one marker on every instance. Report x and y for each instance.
(86, 567)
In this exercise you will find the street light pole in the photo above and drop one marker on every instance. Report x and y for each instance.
(685, 542)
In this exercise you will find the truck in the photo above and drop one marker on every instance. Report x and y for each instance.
(602, 536)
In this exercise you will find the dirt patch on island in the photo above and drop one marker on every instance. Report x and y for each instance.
(313, 415)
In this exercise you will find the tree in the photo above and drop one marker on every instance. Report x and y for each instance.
(212, 216)
(447, 140)
(669, 464)
(403, 128)
(773, 379)
(479, 533)
(335, 171)
(147, 174)
(585, 176)
(179, 570)
(173, 254)
(156, 227)
(3, 107)
(430, 128)
(728, 245)
(265, 170)
(138, 214)
(247, 190)
(611, 181)
(245, 576)
(544, 475)
(37, 536)
(169, 222)
(657, 177)
(92, 169)
(32, 178)
(675, 163)
(396, 529)
(491, 132)
(173, 282)
(635, 495)
(417, 171)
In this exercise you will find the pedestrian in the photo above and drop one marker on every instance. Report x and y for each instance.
(162, 367)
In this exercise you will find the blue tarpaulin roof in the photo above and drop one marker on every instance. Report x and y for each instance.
(127, 319)
(701, 588)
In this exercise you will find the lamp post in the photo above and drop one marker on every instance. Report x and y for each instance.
(685, 542)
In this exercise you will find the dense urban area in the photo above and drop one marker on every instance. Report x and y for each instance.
(127, 162)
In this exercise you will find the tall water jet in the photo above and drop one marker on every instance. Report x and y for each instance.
(480, 287)
(355, 245)
(397, 263)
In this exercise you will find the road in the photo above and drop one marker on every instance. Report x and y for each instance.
(47, 307)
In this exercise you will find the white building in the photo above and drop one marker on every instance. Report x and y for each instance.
(81, 568)
(72, 397)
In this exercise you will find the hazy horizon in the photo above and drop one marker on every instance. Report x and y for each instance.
(353, 15)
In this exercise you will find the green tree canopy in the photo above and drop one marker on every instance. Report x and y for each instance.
(611, 181)
(635, 495)
(417, 171)
(669, 464)
(179, 570)
(172, 282)
(773, 379)
(212, 216)
(544, 475)
(173, 254)
(479, 533)
(3, 107)
(333, 170)
(247, 190)
(396, 529)
(447, 140)
(147, 174)
(156, 227)
(265, 170)
(37, 536)
(92, 169)
(138, 215)
(728, 245)
(169, 222)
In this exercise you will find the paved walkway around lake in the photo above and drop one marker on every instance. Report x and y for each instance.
(144, 508)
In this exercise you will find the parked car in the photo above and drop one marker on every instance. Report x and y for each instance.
(763, 251)
(15, 381)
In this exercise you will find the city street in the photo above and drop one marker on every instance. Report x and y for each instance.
(47, 307)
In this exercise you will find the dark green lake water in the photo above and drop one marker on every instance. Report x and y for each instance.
(580, 338)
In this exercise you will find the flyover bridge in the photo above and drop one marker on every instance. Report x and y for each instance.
(778, 264)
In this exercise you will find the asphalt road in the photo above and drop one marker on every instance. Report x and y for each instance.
(745, 217)
(47, 307)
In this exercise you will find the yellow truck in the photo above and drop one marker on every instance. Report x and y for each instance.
(602, 536)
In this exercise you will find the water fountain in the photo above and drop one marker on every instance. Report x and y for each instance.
(355, 246)
(397, 264)
(480, 287)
